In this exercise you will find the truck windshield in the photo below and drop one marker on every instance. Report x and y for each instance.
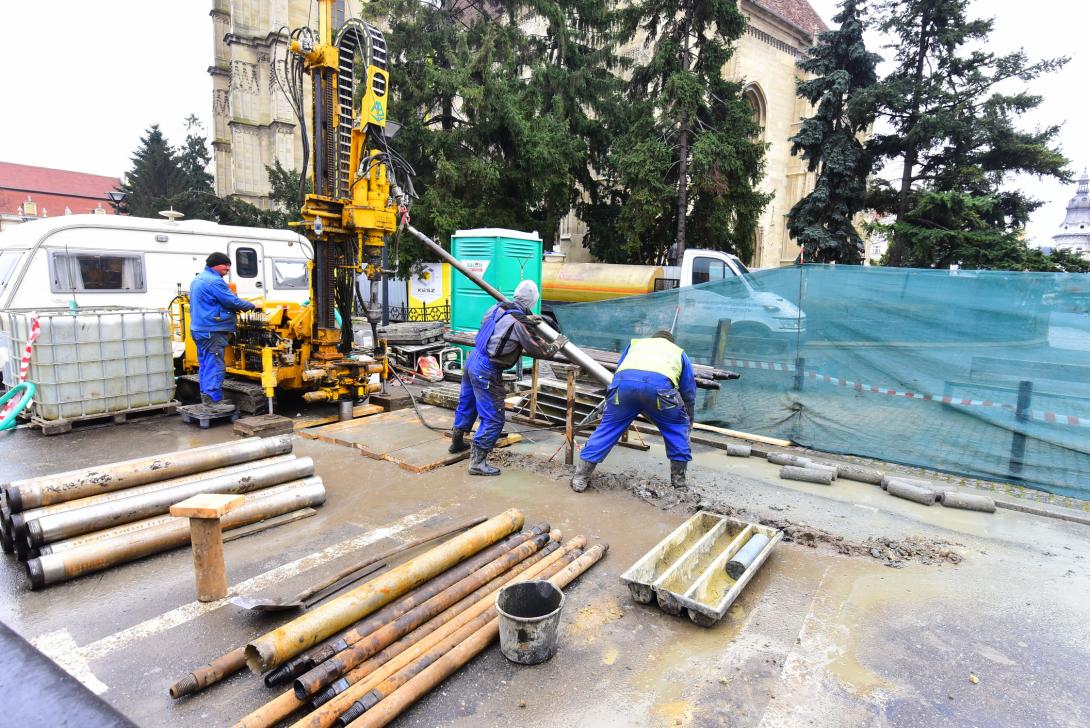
(8, 259)
(753, 282)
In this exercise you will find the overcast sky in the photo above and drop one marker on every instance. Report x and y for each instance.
(83, 81)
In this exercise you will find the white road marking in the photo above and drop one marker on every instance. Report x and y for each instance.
(61, 648)
(60, 651)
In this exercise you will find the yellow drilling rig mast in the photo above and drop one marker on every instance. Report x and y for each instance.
(351, 210)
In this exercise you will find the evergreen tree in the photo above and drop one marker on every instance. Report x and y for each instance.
(155, 178)
(831, 141)
(197, 197)
(686, 160)
(498, 123)
(952, 136)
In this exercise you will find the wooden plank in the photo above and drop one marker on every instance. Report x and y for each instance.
(309, 427)
(207, 505)
(743, 435)
(426, 456)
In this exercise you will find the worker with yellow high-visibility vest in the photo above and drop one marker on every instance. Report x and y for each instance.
(654, 377)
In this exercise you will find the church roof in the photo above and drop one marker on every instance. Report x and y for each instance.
(797, 12)
(1076, 225)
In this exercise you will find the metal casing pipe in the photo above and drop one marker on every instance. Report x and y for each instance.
(34, 492)
(281, 644)
(126, 510)
(51, 569)
(19, 520)
(570, 350)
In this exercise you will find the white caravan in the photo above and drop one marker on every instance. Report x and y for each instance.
(114, 260)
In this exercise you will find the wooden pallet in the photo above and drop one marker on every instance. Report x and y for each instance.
(59, 427)
(264, 426)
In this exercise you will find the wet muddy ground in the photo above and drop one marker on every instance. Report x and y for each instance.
(873, 611)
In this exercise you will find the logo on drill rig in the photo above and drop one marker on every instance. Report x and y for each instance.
(378, 112)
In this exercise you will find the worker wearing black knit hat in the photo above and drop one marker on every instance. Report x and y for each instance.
(212, 321)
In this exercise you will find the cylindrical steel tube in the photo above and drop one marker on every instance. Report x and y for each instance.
(786, 458)
(19, 520)
(115, 513)
(807, 475)
(909, 491)
(968, 501)
(34, 492)
(739, 451)
(210, 674)
(446, 665)
(570, 350)
(378, 668)
(320, 653)
(281, 644)
(745, 556)
(54, 568)
(860, 474)
(318, 677)
(918, 482)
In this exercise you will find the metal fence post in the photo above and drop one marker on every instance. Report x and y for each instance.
(1018, 435)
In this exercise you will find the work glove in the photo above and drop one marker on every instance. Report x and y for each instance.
(532, 319)
(559, 343)
(690, 409)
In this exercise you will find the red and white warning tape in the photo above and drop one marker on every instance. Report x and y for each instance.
(24, 363)
(1048, 417)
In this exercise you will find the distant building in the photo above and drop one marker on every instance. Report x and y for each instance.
(28, 193)
(1074, 235)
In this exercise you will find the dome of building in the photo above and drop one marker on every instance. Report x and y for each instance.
(1074, 233)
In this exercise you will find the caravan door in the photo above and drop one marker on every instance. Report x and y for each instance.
(246, 269)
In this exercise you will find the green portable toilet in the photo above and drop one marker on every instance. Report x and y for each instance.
(502, 258)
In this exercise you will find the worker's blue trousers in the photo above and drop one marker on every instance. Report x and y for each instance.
(210, 348)
(641, 394)
(481, 394)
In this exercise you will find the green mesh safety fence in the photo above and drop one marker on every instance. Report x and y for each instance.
(979, 373)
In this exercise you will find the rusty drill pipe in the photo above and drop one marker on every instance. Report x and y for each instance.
(35, 492)
(319, 654)
(375, 670)
(235, 660)
(318, 677)
(279, 645)
(51, 569)
(286, 703)
(448, 664)
(126, 510)
(402, 676)
(19, 520)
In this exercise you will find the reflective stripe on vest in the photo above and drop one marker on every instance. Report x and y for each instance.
(654, 355)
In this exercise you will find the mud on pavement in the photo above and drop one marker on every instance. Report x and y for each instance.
(698, 495)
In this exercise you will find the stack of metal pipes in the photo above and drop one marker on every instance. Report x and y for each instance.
(364, 657)
(87, 520)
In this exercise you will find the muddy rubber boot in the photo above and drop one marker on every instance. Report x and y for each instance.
(223, 407)
(457, 441)
(677, 473)
(206, 400)
(478, 463)
(583, 471)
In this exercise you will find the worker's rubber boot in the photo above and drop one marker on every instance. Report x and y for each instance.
(457, 441)
(478, 463)
(583, 471)
(206, 400)
(223, 407)
(677, 473)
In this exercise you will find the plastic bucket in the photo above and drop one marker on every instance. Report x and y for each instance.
(529, 614)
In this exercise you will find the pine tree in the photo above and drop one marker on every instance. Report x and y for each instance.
(155, 178)
(686, 161)
(831, 141)
(197, 198)
(952, 136)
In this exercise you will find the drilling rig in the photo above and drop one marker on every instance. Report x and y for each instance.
(356, 180)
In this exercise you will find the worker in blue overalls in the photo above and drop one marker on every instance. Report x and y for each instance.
(506, 332)
(212, 309)
(654, 377)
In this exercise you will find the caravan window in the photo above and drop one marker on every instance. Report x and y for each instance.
(246, 263)
(8, 259)
(96, 271)
(289, 274)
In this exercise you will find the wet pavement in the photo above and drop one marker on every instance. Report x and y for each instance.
(817, 638)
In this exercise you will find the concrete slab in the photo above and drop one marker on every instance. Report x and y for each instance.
(827, 634)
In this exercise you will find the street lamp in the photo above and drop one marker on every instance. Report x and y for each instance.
(116, 198)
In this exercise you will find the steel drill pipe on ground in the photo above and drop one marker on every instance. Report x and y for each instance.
(51, 569)
(378, 668)
(126, 510)
(19, 520)
(287, 703)
(274, 648)
(317, 678)
(319, 654)
(235, 660)
(414, 668)
(44, 491)
(449, 663)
